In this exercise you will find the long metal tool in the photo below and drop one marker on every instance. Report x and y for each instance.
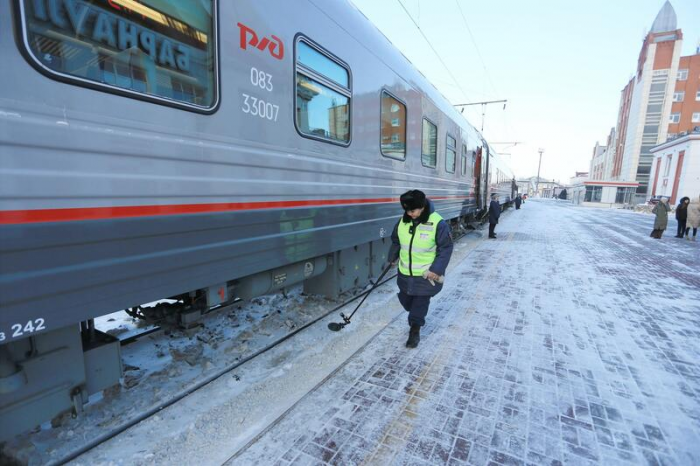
(337, 326)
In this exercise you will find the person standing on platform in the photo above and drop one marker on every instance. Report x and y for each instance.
(518, 201)
(422, 244)
(682, 216)
(693, 218)
(661, 221)
(494, 215)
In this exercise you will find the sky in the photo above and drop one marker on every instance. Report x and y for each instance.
(561, 65)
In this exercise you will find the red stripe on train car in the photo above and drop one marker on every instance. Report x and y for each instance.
(10, 217)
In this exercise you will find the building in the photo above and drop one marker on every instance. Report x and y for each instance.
(676, 168)
(685, 109)
(531, 187)
(661, 101)
(645, 103)
(597, 170)
(578, 178)
(601, 162)
(599, 188)
(526, 186)
(549, 189)
(596, 193)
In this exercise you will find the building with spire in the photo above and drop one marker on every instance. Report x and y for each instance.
(645, 104)
(660, 101)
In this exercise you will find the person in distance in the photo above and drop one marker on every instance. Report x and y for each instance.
(494, 215)
(682, 216)
(661, 211)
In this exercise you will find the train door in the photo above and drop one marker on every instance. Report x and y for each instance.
(477, 179)
(486, 175)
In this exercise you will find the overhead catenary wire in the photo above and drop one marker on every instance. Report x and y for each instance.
(464, 94)
(507, 124)
(476, 46)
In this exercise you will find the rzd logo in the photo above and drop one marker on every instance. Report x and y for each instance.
(250, 37)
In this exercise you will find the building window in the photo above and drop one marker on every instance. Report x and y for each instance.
(429, 144)
(323, 94)
(678, 96)
(393, 142)
(697, 96)
(682, 75)
(675, 117)
(167, 54)
(624, 195)
(667, 167)
(450, 154)
(696, 117)
(593, 193)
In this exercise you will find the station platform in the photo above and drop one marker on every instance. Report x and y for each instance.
(574, 338)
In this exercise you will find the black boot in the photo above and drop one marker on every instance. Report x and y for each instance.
(413, 336)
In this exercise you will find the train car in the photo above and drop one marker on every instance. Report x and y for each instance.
(199, 151)
(501, 179)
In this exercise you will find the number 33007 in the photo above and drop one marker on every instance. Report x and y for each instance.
(258, 107)
(19, 330)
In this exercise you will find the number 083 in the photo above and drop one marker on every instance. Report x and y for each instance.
(261, 79)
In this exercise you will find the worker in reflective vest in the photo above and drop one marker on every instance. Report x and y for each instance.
(422, 245)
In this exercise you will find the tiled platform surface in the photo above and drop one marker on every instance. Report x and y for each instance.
(572, 339)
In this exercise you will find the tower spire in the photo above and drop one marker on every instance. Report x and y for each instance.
(666, 19)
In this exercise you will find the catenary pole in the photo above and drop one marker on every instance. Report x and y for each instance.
(537, 186)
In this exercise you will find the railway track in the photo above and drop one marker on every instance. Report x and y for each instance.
(145, 415)
(94, 443)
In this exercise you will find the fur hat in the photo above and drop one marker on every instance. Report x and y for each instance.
(413, 199)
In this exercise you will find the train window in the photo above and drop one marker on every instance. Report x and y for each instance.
(322, 94)
(464, 160)
(393, 142)
(450, 154)
(162, 51)
(429, 144)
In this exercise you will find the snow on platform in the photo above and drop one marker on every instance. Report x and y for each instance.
(574, 338)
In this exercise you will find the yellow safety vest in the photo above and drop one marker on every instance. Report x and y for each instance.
(418, 250)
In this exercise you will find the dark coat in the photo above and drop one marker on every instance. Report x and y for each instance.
(518, 200)
(494, 212)
(661, 210)
(419, 286)
(682, 209)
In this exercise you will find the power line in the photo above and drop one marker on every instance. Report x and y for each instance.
(481, 58)
(433, 49)
(478, 52)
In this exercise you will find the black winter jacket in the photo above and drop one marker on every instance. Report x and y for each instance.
(682, 209)
(494, 211)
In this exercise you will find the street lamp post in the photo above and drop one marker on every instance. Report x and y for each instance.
(537, 187)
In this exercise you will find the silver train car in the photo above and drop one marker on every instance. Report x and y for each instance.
(501, 179)
(199, 151)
